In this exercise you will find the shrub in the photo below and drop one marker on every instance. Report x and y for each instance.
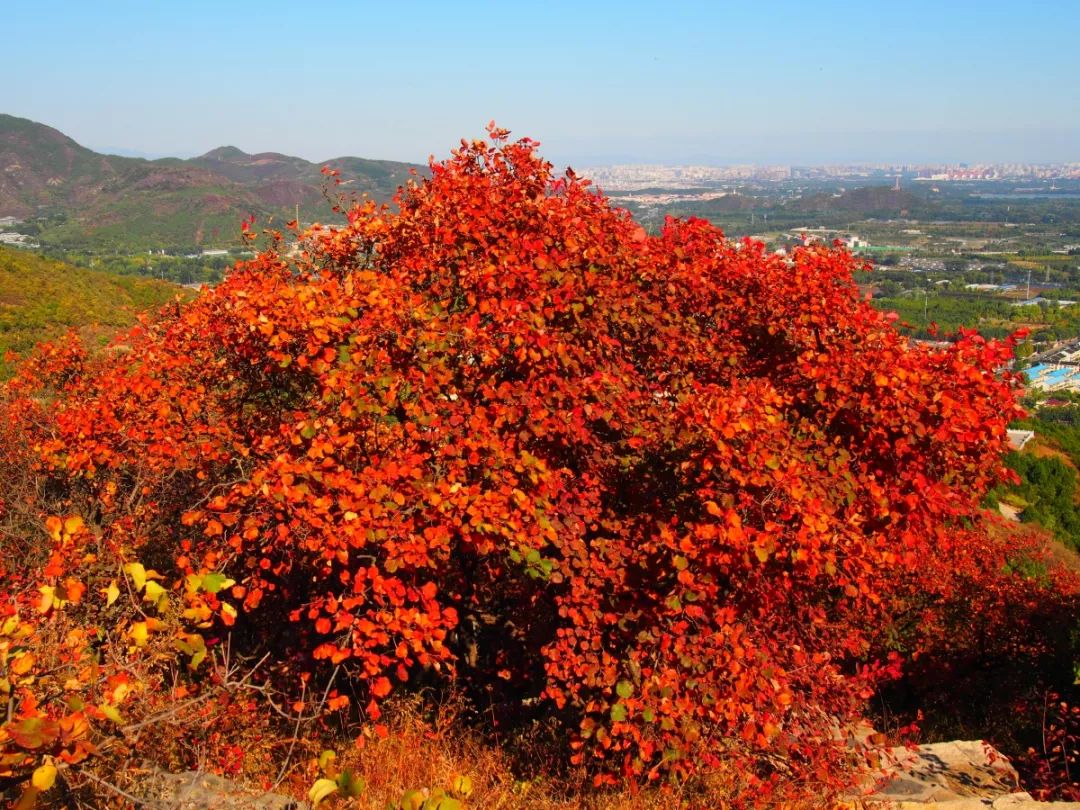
(684, 498)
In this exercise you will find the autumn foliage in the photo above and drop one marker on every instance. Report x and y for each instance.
(684, 500)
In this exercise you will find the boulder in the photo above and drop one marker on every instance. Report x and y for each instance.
(195, 790)
(960, 775)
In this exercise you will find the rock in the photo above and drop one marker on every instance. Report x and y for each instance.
(961, 775)
(194, 790)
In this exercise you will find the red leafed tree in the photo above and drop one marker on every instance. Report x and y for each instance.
(676, 492)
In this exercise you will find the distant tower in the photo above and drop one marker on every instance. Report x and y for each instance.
(896, 186)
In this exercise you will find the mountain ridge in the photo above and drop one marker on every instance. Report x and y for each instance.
(83, 198)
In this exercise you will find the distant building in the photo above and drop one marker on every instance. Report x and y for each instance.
(1019, 438)
(1039, 301)
(1055, 375)
(17, 240)
(852, 242)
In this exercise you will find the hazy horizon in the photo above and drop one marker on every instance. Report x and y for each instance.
(909, 148)
(608, 83)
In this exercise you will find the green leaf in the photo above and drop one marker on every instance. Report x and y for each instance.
(624, 689)
(618, 712)
(212, 583)
(351, 784)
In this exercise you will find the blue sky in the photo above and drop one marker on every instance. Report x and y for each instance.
(677, 82)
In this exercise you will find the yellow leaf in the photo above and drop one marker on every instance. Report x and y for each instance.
(326, 759)
(22, 664)
(72, 524)
(462, 785)
(153, 592)
(44, 777)
(112, 713)
(112, 593)
(321, 789)
(137, 573)
(199, 613)
(48, 597)
(140, 633)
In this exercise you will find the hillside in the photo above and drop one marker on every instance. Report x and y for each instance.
(40, 299)
(74, 196)
(869, 200)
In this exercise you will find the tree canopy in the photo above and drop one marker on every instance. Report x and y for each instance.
(688, 500)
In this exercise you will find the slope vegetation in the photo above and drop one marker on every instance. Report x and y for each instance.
(41, 299)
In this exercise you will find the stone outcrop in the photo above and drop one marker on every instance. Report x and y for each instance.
(193, 790)
(962, 775)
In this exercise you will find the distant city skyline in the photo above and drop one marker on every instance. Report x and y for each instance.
(600, 83)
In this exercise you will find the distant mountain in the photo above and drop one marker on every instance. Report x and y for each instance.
(77, 197)
(869, 200)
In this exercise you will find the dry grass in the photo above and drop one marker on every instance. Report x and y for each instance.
(418, 750)
(427, 754)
